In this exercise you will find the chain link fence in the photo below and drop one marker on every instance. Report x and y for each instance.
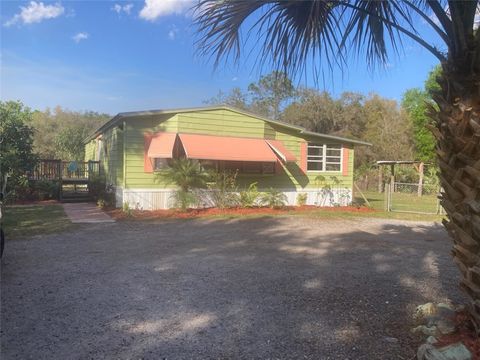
(413, 198)
(401, 197)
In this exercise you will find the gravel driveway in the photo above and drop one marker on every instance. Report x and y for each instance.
(269, 288)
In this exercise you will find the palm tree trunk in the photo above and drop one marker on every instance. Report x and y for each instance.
(457, 129)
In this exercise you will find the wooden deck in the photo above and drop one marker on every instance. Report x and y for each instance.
(73, 177)
(79, 171)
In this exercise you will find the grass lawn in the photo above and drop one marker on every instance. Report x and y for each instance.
(27, 220)
(321, 213)
(408, 202)
(400, 201)
(376, 199)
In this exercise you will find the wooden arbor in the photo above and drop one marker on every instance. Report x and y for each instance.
(418, 165)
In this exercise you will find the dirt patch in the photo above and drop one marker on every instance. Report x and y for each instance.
(118, 214)
(274, 287)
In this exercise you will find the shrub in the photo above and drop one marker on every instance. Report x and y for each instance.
(97, 186)
(302, 199)
(126, 209)
(46, 189)
(273, 198)
(183, 199)
(223, 189)
(19, 189)
(249, 196)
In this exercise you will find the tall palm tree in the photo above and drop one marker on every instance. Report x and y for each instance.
(293, 34)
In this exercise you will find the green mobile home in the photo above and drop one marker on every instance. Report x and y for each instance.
(134, 147)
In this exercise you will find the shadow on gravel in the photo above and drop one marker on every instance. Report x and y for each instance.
(259, 288)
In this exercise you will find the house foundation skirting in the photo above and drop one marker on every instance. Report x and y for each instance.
(154, 199)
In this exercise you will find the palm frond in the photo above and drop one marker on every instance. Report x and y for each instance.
(295, 34)
(367, 27)
(290, 31)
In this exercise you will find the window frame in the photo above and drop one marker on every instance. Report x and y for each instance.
(323, 158)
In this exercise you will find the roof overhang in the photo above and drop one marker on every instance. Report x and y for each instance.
(301, 131)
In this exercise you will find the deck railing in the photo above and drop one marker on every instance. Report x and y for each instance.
(64, 170)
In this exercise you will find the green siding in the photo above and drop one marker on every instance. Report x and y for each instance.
(220, 122)
(136, 128)
(111, 155)
(90, 148)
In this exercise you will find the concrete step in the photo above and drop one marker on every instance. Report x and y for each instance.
(76, 197)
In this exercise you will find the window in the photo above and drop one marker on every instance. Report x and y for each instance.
(324, 157)
(242, 167)
(160, 164)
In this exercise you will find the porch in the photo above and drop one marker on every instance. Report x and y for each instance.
(72, 179)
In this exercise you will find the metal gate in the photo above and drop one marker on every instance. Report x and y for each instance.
(413, 198)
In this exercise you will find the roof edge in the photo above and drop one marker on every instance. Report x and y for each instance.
(300, 129)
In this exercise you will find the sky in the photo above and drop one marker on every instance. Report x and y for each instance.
(113, 56)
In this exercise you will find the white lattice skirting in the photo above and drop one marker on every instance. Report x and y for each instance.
(154, 199)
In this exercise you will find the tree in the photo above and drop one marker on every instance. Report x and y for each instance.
(416, 103)
(235, 98)
(387, 128)
(314, 110)
(270, 93)
(59, 134)
(16, 138)
(293, 32)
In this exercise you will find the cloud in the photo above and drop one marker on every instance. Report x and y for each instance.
(80, 36)
(36, 12)
(154, 9)
(122, 8)
(173, 32)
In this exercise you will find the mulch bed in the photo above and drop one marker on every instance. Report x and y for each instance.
(465, 334)
(199, 213)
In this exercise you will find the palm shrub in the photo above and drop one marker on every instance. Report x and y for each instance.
(249, 196)
(223, 189)
(188, 175)
(273, 198)
(302, 199)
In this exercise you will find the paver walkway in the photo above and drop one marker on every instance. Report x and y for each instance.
(86, 213)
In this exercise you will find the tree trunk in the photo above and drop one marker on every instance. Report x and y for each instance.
(457, 129)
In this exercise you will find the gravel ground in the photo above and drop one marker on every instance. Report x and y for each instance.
(269, 288)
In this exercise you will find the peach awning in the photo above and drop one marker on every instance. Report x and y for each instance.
(206, 147)
(161, 145)
(282, 152)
